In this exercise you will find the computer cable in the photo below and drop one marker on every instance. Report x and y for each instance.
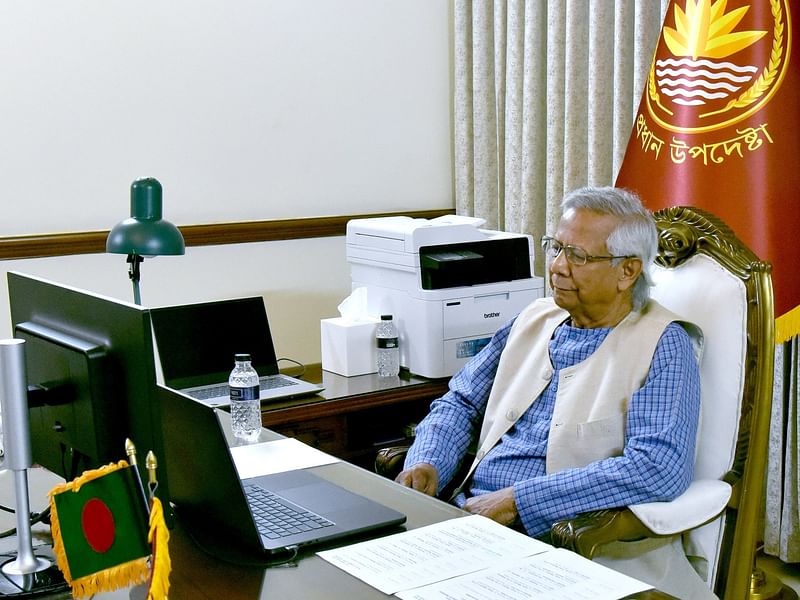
(299, 364)
(242, 560)
(35, 518)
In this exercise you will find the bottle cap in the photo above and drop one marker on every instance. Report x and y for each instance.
(241, 357)
(386, 317)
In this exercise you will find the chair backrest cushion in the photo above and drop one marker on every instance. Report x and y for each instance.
(702, 291)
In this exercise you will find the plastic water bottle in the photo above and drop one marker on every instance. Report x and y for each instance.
(388, 347)
(245, 403)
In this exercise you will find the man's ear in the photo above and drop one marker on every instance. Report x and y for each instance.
(630, 270)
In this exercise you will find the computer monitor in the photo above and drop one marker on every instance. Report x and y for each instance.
(91, 376)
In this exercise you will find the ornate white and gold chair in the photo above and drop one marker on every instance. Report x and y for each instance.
(709, 277)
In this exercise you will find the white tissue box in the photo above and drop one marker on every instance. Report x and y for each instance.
(348, 348)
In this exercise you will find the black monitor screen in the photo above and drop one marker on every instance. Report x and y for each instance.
(91, 376)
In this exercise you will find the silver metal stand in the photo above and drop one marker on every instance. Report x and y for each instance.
(27, 571)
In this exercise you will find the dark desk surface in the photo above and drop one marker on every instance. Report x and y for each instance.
(198, 575)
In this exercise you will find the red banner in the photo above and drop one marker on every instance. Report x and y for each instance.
(717, 128)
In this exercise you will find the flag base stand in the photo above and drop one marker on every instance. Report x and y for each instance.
(46, 581)
(29, 572)
(23, 574)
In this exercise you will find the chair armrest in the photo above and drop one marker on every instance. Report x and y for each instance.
(389, 461)
(701, 502)
(585, 533)
(704, 500)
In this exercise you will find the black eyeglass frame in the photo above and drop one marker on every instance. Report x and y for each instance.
(575, 255)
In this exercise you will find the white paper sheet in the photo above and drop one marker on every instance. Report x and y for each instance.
(475, 558)
(277, 456)
(429, 554)
(555, 575)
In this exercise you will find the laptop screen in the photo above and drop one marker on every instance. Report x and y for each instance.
(196, 342)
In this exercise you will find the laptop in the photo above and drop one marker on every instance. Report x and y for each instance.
(216, 505)
(196, 344)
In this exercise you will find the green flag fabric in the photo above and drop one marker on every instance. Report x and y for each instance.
(100, 524)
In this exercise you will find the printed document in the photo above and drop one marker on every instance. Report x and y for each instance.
(555, 575)
(429, 554)
(475, 558)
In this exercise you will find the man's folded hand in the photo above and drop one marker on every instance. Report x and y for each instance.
(499, 506)
(422, 477)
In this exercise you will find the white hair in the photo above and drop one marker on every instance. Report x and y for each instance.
(635, 235)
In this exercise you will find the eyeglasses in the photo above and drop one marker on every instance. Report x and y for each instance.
(575, 256)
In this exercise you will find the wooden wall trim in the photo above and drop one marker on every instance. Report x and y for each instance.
(94, 242)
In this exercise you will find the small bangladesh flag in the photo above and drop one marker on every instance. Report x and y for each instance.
(100, 524)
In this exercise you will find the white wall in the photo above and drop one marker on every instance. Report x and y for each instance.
(244, 109)
(301, 281)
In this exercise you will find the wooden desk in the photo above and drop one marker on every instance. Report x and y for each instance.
(354, 417)
(199, 576)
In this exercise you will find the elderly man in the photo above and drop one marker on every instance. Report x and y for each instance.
(587, 400)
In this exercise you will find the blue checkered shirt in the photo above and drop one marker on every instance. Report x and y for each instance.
(656, 463)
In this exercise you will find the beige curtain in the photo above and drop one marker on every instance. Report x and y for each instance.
(545, 96)
(782, 519)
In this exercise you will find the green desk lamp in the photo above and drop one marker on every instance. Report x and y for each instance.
(145, 233)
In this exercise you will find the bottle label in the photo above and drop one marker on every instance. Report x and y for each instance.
(247, 393)
(387, 342)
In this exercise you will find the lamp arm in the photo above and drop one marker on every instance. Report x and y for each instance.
(135, 260)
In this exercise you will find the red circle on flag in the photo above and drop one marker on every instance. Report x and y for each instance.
(98, 525)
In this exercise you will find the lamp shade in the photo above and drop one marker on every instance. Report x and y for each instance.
(145, 233)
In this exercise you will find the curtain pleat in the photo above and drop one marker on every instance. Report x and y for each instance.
(600, 95)
(576, 101)
(553, 134)
(514, 74)
(782, 516)
(463, 131)
(624, 104)
(529, 211)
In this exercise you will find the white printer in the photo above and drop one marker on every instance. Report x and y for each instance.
(448, 283)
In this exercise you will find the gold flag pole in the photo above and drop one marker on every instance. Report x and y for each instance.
(158, 536)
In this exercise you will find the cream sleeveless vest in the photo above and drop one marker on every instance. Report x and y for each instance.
(589, 418)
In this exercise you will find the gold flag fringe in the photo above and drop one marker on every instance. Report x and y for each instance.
(160, 562)
(787, 325)
(130, 573)
(124, 575)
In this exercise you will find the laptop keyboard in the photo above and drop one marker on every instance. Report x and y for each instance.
(215, 391)
(276, 517)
